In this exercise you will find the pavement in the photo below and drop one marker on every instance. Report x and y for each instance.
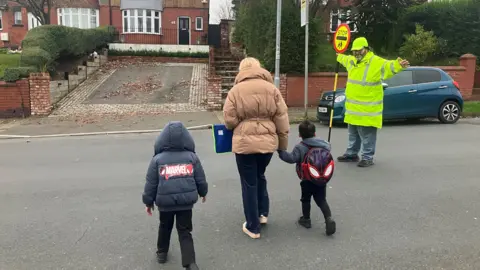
(75, 203)
(106, 123)
(54, 124)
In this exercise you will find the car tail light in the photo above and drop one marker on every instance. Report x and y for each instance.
(456, 85)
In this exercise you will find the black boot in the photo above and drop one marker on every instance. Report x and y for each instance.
(348, 158)
(192, 266)
(330, 226)
(305, 222)
(161, 257)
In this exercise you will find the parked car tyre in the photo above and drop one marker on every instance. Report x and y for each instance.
(449, 112)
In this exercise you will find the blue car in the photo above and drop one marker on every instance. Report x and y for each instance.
(414, 93)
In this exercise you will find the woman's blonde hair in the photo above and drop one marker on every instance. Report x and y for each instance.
(249, 62)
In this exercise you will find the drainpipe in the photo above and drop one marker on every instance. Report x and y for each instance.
(110, 11)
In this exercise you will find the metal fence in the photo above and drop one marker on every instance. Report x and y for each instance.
(152, 35)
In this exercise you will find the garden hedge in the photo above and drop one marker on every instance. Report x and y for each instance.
(456, 23)
(13, 74)
(43, 45)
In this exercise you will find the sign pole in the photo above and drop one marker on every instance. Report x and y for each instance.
(341, 40)
(337, 67)
(306, 59)
(277, 44)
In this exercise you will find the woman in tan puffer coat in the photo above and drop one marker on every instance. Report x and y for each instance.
(258, 115)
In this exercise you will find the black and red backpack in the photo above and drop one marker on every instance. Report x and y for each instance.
(317, 165)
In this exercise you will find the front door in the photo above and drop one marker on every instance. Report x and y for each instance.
(184, 31)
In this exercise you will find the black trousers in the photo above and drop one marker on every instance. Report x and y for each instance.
(252, 168)
(184, 229)
(319, 194)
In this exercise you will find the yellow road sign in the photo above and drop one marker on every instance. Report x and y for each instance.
(342, 38)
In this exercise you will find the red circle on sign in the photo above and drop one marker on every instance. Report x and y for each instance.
(347, 42)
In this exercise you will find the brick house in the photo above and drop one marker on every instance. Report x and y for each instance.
(183, 22)
(335, 12)
(142, 22)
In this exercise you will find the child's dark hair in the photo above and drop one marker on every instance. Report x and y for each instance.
(306, 129)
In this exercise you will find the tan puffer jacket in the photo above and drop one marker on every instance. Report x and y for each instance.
(255, 109)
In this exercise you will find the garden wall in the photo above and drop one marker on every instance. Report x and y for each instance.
(319, 82)
(25, 97)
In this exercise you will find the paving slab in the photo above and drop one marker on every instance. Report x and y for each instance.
(154, 83)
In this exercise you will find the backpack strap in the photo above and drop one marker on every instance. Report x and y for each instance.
(306, 145)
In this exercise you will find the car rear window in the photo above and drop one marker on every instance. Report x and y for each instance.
(402, 78)
(426, 76)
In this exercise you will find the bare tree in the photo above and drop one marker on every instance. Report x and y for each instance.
(226, 11)
(40, 9)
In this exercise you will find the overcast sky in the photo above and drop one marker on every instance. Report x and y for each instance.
(215, 8)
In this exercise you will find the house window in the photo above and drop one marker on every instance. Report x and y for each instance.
(141, 21)
(18, 18)
(17, 15)
(32, 21)
(338, 17)
(84, 18)
(1, 25)
(199, 23)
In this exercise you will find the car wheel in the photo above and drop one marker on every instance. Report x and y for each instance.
(449, 112)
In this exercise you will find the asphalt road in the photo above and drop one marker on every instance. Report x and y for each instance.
(75, 203)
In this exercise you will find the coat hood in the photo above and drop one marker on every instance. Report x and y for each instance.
(254, 73)
(316, 142)
(174, 137)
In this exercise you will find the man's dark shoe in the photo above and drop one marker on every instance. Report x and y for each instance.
(305, 222)
(365, 163)
(192, 266)
(161, 257)
(348, 158)
(330, 226)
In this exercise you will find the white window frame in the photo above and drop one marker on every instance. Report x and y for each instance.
(338, 12)
(32, 21)
(82, 14)
(196, 23)
(132, 15)
(20, 21)
(1, 22)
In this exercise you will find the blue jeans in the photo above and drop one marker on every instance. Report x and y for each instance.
(360, 136)
(252, 168)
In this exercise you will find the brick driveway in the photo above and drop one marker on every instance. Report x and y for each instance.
(190, 96)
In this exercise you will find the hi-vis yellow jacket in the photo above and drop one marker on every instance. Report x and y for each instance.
(364, 92)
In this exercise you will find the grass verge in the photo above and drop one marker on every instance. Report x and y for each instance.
(471, 109)
(8, 60)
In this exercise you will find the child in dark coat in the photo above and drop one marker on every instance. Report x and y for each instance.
(175, 179)
(310, 189)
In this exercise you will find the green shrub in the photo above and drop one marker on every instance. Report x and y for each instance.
(157, 53)
(45, 44)
(15, 73)
(255, 28)
(420, 46)
(454, 23)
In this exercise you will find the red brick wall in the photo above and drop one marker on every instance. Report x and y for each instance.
(104, 13)
(323, 81)
(40, 102)
(317, 84)
(14, 99)
(16, 33)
